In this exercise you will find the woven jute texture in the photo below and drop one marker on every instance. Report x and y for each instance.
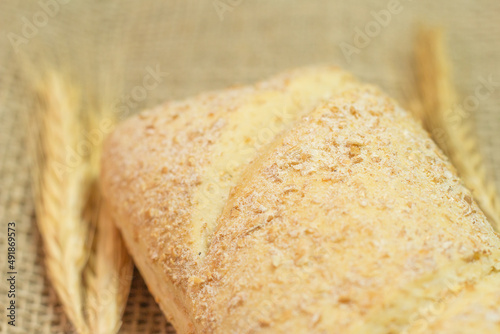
(203, 45)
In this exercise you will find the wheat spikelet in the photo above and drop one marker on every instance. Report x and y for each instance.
(438, 109)
(59, 193)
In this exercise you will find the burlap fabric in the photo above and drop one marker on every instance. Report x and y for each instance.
(205, 45)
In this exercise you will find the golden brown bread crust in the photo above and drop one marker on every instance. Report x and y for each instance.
(328, 226)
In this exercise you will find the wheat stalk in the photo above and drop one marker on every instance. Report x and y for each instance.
(85, 256)
(439, 111)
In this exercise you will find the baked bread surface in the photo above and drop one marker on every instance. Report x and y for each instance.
(308, 203)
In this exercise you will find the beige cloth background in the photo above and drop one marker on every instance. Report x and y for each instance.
(201, 49)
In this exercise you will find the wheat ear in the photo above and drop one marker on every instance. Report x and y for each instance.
(108, 277)
(59, 192)
(86, 258)
(445, 120)
(109, 271)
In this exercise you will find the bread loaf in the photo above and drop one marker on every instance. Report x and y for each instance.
(308, 203)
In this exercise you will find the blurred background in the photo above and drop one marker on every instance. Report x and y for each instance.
(109, 47)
